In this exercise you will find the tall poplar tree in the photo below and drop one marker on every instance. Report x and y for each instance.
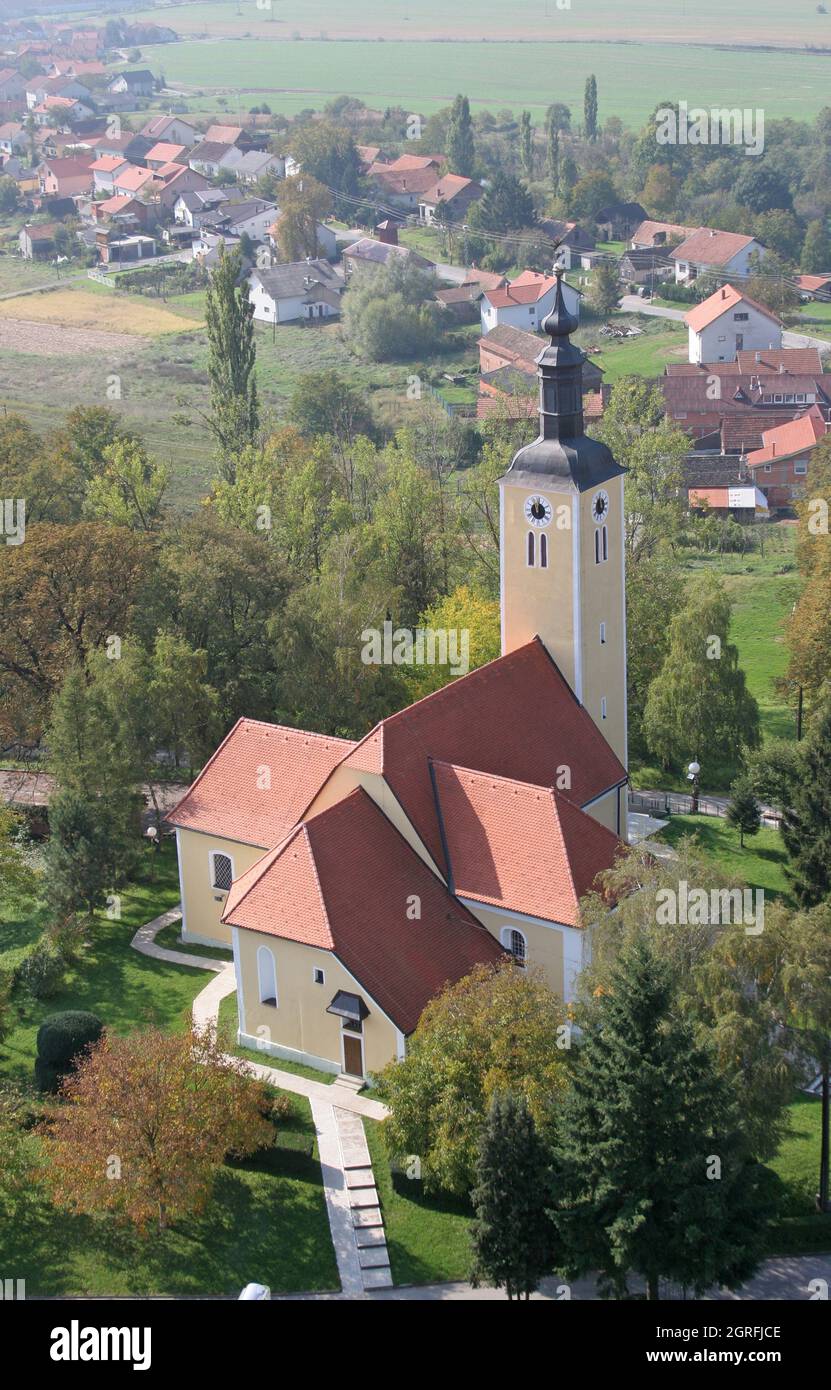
(590, 108)
(526, 144)
(229, 319)
(461, 151)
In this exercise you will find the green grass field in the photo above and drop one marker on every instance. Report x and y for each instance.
(424, 76)
(662, 342)
(743, 21)
(763, 589)
(760, 864)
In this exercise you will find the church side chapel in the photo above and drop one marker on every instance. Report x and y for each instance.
(353, 880)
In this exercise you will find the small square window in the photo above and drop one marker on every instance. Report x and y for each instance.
(319, 976)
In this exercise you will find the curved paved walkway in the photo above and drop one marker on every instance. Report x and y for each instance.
(206, 1010)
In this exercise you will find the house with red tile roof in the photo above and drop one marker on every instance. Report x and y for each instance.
(354, 879)
(780, 467)
(729, 322)
(450, 192)
(525, 302)
(708, 249)
(66, 177)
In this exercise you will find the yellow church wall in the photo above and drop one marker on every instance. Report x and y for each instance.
(602, 600)
(544, 943)
(574, 604)
(299, 1028)
(202, 904)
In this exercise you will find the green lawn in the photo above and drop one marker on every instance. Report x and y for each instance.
(646, 355)
(761, 863)
(800, 1229)
(124, 988)
(266, 1222)
(427, 1237)
(763, 589)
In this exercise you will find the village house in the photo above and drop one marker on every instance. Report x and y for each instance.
(650, 233)
(64, 111)
(255, 164)
(573, 241)
(104, 171)
(139, 82)
(134, 180)
(402, 183)
(176, 180)
(194, 204)
(780, 467)
(172, 129)
(14, 139)
(645, 266)
(132, 147)
(453, 194)
(729, 322)
(727, 407)
(116, 248)
(251, 218)
(525, 302)
(12, 85)
(727, 253)
(354, 880)
(814, 286)
(67, 176)
(230, 135)
(164, 152)
(741, 501)
(40, 90)
(368, 253)
(122, 211)
(299, 290)
(211, 156)
(617, 221)
(37, 241)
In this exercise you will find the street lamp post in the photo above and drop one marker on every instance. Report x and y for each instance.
(694, 776)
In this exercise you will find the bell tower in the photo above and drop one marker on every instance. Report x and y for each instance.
(562, 540)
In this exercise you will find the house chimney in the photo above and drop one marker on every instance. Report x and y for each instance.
(758, 356)
(781, 368)
(723, 292)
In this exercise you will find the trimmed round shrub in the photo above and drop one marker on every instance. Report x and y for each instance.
(61, 1037)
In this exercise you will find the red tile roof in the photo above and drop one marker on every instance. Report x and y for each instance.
(813, 282)
(165, 153)
(300, 891)
(790, 439)
(520, 846)
(528, 288)
(107, 163)
(133, 178)
(646, 232)
(515, 717)
(708, 246)
(225, 799)
(723, 300)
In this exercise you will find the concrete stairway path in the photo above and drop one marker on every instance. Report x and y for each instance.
(351, 1200)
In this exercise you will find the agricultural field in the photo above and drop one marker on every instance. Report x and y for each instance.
(77, 308)
(424, 76)
(743, 22)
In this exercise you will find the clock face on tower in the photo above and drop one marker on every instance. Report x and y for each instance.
(538, 511)
(600, 507)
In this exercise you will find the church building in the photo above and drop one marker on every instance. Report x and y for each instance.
(353, 880)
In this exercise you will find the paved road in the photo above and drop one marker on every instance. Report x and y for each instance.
(784, 1279)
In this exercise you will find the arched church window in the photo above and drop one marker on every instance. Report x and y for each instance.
(544, 552)
(267, 976)
(532, 549)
